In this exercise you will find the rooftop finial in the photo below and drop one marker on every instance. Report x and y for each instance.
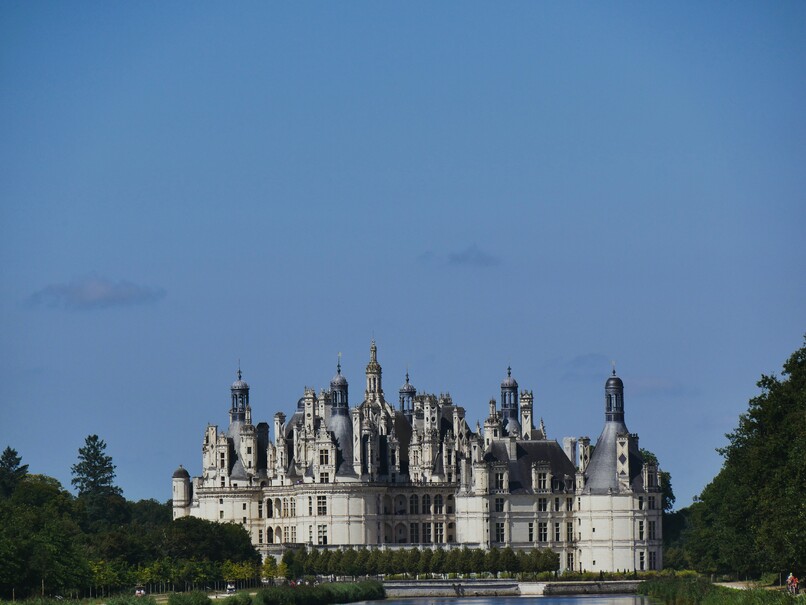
(614, 366)
(239, 368)
(338, 365)
(509, 370)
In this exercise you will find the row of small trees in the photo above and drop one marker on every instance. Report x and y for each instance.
(371, 562)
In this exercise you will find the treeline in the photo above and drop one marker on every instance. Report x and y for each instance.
(55, 543)
(371, 562)
(751, 519)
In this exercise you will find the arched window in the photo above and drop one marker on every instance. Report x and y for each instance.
(438, 504)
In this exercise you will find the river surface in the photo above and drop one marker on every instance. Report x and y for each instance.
(569, 600)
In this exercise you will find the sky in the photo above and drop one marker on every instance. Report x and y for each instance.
(186, 187)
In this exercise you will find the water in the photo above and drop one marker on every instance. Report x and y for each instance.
(569, 600)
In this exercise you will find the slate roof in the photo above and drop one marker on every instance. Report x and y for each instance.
(527, 453)
(601, 475)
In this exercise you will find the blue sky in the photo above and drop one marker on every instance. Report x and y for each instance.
(551, 186)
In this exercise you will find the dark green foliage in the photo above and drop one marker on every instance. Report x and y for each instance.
(131, 600)
(673, 590)
(241, 598)
(188, 598)
(11, 471)
(193, 538)
(752, 517)
(38, 540)
(324, 594)
(53, 541)
(94, 473)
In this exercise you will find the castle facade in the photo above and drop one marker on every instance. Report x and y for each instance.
(417, 474)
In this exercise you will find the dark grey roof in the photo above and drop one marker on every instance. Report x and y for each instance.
(614, 382)
(509, 382)
(338, 379)
(601, 473)
(341, 428)
(181, 473)
(527, 453)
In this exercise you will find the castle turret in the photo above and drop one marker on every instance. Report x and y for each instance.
(614, 399)
(407, 393)
(340, 423)
(374, 388)
(181, 492)
(240, 400)
(509, 404)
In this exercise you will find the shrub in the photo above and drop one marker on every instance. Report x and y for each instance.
(188, 598)
(131, 600)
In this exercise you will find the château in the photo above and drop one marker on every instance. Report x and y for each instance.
(417, 474)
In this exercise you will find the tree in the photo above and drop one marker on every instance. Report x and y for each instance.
(11, 471)
(39, 540)
(94, 474)
(194, 538)
(269, 568)
(752, 517)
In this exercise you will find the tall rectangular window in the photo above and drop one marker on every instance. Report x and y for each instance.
(569, 504)
(293, 507)
(531, 532)
(322, 534)
(414, 533)
(542, 532)
(569, 561)
(569, 532)
(556, 504)
(321, 505)
(439, 533)
(542, 480)
(652, 503)
(640, 530)
(499, 532)
(260, 510)
(653, 560)
(324, 457)
(426, 533)
(640, 503)
(651, 530)
(499, 481)
(324, 477)
(499, 505)
(641, 563)
(542, 504)
(557, 532)
(310, 506)
(294, 533)
(260, 536)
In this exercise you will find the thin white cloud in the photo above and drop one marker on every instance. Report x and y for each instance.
(473, 256)
(93, 292)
